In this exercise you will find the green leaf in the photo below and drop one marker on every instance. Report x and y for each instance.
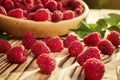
(83, 30)
(84, 26)
(114, 19)
(102, 23)
(3, 36)
(101, 26)
(116, 28)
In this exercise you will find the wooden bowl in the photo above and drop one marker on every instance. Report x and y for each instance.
(18, 27)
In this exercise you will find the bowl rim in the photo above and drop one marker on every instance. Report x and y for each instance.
(86, 10)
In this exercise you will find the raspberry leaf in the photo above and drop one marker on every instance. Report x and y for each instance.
(102, 25)
(83, 30)
(3, 36)
(116, 28)
(114, 19)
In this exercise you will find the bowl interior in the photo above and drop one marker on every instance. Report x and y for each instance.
(18, 27)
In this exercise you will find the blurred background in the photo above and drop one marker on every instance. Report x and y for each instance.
(106, 4)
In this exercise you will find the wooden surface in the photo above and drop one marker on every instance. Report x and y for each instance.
(67, 68)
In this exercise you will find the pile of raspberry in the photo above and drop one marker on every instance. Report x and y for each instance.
(87, 51)
(42, 10)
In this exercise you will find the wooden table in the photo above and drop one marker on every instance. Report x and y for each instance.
(67, 68)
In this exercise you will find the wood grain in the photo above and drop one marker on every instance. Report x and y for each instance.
(67, 68)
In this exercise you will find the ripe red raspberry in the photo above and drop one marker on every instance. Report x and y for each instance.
(78, 11)
(106, 47)
(17, 54)
(39, 48)
(4, 46)
(28, 40)
(57, 16)
(63, 9)
(91, 52)
(92, 39)
(114, 37)
(20, 5)
(55, 44)
(42, 15)
(81, 8)
(70, 38)
(25, 13)
(8, 4)
(46, 63)
(94, 69)
(52, 6)
(75, 48)
(59, 5)
(65, 3)
(36, 2)
(58, 0)
(68, 14)
(30, 16)
(1, 1)
(38, 6)
(3, 11)
(26, 2)
(74, 4)
(15, 1)
(17, 13)
(47, 38)
(29, 7)
(44, 2)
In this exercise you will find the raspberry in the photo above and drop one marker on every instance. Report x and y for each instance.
(4, 46)
(29, 7)
(8, 4)
(19, 5)
(78, 11)
(92, 39)
(63, 9)
(17, 13)
(65, 3)
(74, 4)
(42, 15)
(58, 0)
(46, 63)
(106, 47)
(1, 2)
(114, 37)
(44, 2)
(39, 6)
(17, 54)
(55, 44)
(94, 69)
(25, 13)
(91, 52)
(57, 16)
(36, 2)
(47, 38)
(26, 2)
(3, 11)
(39, 48)
(59, 5)
(30, 16)
(70, 38)
(75, 48)
(15, 1)
(68, 14)
(81, 8)
(28, 40)
(52, 6)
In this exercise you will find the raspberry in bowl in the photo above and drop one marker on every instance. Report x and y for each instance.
(43, 17)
